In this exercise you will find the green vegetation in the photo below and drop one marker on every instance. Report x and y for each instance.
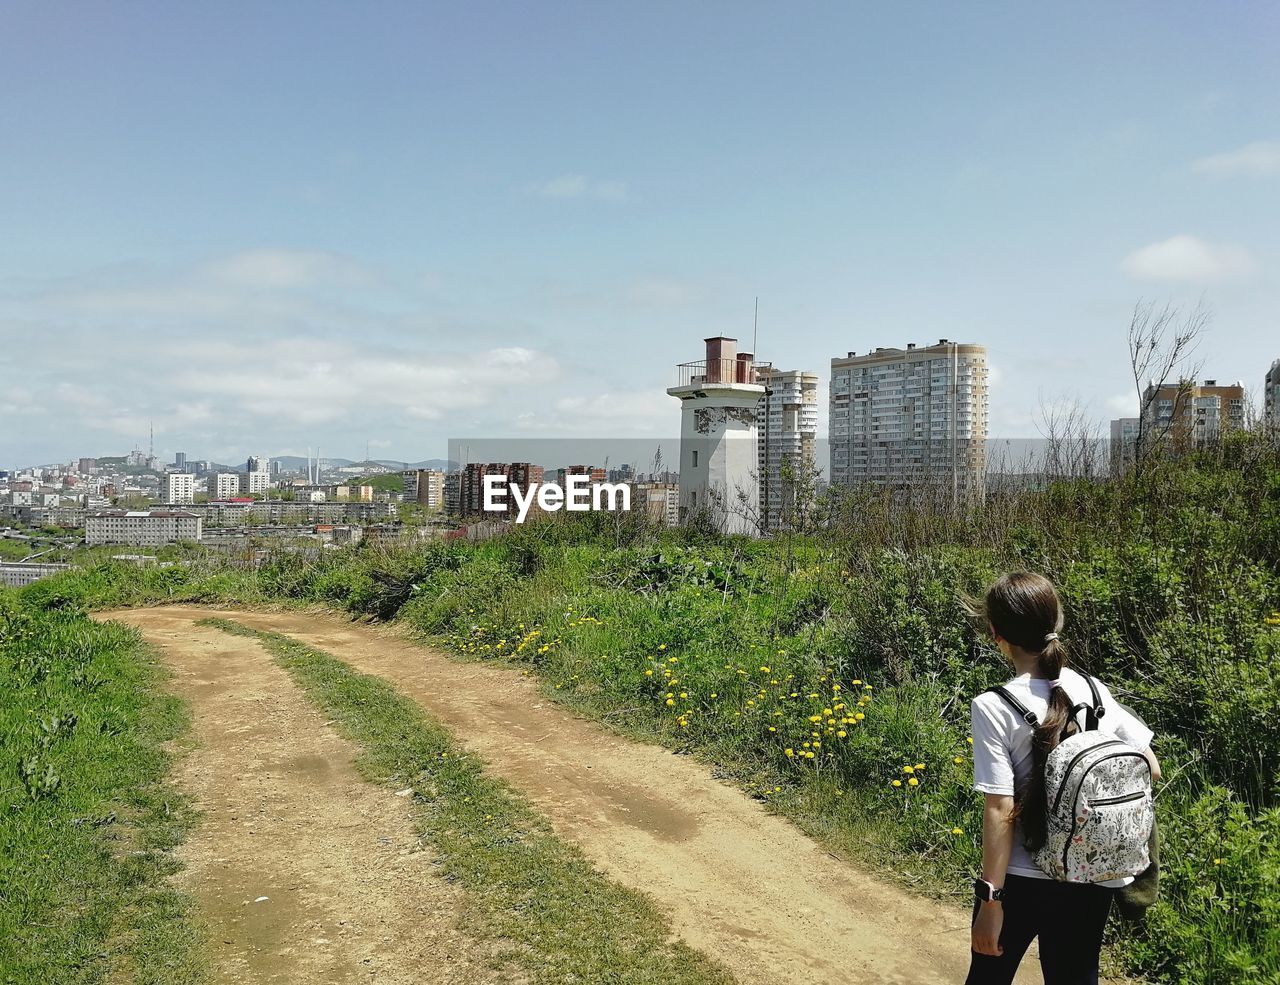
(88, 822)
(388, 482)
(529, 892)
(739, 651)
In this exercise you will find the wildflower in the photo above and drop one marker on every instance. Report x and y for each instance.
(714, 695)
(842, 734)
(1217, 861)
(957, 831)
(670, 702)
(958, 760)
(662, 646)
(908, 769)
(790, 753)
(648, 673)
(684, 694)
(913, 782)
(897, 783)
(969, 740)
(919, 766)
(764, 670)
(859, 716)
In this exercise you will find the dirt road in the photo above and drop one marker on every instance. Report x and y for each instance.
(303, 872)
(738, 883)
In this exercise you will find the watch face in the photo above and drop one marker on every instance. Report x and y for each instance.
(982, 889)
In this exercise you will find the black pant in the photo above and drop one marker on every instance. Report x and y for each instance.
(1068, 918)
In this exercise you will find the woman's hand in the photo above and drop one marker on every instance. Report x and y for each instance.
(986, 929)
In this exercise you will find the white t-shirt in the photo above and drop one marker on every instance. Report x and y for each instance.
(1002, 744)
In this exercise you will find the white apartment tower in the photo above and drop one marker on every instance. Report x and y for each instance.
(719, 398)
(178, 487)
(788, 422)
(224, 485)
(256, 481)
(902, 417)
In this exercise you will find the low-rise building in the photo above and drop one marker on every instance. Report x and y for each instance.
(142, 527)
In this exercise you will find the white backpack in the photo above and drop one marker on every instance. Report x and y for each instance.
(1098, 795)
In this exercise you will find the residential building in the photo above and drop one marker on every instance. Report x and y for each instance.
(142, 527)
(1187, 415)
(87, 465)
(1271, 397)
(177, 487)
(788, 423)
(453, 493)
(719, 429)
(224, 485)
(904, 417)
(660, 502)
(1124, 444)
(351, 493)
(424, 487)
(258, 463)
(471, 488)
(253, 482)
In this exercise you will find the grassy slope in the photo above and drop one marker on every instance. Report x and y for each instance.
(563, 920)
(84, 896)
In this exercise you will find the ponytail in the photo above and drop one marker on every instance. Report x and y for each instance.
(1024, 609)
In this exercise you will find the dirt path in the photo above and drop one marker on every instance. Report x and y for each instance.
(303, 872)
(740, 884)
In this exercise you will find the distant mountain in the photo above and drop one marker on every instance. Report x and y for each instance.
(296, 463)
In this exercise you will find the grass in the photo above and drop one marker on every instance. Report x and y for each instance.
(559, 919)
(89, 821)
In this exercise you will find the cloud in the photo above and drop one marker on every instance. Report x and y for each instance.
(569, 186)
(1260, 159)
(1189, 259)
(1123, 405)
(285, 269)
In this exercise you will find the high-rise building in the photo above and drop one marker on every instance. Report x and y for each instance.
(1124, 444)
(224, 485)
(471, 487)
(177, 488)
(1271, 397)
(788, 422)
(180, 461)
(901, 417)
(1187, 415)
(424, 487)
(254, 481)
(258, 463)
(719, 429)
(87, 464)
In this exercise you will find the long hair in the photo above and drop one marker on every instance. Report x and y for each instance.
(1024, 608)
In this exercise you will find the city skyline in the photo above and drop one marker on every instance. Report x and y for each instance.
(434, 243)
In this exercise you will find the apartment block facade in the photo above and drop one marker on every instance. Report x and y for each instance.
(178, 488)
(901, 417)
(424, 487)
(145, 528)
(224, 485)
(256, 481)
(788, 431)
(1187, 415)
(471, 486)
(1124, 444)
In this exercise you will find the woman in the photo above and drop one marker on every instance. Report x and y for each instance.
(1016, 901)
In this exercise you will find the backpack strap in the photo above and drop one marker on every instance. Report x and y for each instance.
(1023, 712)
(1092, 714)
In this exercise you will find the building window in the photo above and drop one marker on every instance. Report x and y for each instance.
(695, 458)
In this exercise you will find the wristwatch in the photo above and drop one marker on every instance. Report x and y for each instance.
(987, 891)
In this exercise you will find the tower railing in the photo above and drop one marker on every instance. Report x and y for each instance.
(720, 371)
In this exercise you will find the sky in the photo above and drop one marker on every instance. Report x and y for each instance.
(387, 225)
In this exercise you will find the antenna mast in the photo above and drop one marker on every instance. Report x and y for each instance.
(755, 330)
